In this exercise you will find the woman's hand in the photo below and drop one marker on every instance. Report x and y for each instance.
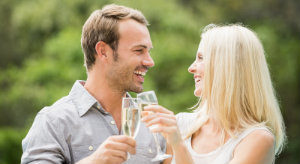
(161, 120)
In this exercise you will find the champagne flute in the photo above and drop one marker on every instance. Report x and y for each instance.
(149, 98)
(131, 114)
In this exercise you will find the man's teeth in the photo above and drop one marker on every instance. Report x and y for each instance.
(140, 73)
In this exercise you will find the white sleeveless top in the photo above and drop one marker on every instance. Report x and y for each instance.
(223, 154)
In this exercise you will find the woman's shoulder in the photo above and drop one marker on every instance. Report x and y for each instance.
(258, 142)
(257, 131)
(259, 135)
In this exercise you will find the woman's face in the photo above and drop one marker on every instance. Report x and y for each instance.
(197, 68)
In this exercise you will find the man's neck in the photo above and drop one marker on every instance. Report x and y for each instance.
(109, 98)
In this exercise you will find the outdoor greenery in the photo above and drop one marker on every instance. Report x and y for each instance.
(41, 56)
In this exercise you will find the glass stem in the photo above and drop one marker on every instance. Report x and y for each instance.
(157, 143)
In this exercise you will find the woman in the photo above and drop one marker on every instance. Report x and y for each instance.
(238, 120)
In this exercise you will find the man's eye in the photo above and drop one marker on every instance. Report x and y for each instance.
(139, 50)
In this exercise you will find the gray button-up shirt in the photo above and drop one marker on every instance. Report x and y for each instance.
(74, 127)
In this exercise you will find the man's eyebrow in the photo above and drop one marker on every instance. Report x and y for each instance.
(144, 46)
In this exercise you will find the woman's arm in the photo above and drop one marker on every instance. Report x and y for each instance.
(256, 148)
(181, 154)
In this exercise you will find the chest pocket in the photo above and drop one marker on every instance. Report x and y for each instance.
(80, 152)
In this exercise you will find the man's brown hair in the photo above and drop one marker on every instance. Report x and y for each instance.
(102, 25)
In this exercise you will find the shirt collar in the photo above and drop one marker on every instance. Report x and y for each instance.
(82, 99)
(99, 107)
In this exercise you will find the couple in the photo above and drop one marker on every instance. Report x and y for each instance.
(237, 120)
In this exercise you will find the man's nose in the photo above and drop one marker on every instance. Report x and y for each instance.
(148, 61)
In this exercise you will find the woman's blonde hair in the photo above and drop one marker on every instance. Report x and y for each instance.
(237, 86)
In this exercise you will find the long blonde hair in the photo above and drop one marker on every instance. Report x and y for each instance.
(237, 86)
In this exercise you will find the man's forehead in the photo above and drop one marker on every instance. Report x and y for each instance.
(134, 34)
(130, 25)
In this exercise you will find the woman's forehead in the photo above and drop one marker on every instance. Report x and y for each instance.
(200, 48)
(199, 51)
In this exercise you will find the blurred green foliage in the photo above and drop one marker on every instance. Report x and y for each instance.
(41, 57)
(10, 147)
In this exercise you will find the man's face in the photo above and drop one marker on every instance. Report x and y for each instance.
(128, 71)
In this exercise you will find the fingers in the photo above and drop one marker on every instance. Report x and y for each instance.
(159, 118)
(157, 109)
(124, 139)
(146, 113)
(164, 122)
(163, 129)
(119, 155)
(110, 156)
(113, 145)
(114, 150)
(171, 134)
(123, 143)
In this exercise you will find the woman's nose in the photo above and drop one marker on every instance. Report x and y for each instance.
(191, 69)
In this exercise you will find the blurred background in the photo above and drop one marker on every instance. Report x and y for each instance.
(41, 57)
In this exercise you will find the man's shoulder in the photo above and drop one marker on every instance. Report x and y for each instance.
(62, 108)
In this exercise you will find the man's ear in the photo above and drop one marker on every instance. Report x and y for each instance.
(101, 49)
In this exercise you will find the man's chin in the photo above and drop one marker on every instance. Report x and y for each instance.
(139, 90)
(136, 89)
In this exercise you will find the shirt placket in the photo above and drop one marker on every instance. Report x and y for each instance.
(111, 123)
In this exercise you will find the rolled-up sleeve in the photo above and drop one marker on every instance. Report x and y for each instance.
(44, 142)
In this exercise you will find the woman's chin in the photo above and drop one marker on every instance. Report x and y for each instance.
(197, 93)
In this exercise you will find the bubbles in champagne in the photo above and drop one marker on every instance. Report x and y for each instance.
(130, 121)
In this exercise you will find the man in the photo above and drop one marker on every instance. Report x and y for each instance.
(85, 126)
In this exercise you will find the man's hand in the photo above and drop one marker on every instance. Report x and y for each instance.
(113, 150)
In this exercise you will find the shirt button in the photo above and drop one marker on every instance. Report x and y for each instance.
(91, 148)
(113, 122)
(150, 150)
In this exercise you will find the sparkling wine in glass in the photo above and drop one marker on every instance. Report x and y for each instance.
(131, 115)
(149, 98)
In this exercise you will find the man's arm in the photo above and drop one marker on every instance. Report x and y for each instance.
(43, 143)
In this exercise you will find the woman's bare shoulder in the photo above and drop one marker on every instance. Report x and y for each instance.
(257, 147)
